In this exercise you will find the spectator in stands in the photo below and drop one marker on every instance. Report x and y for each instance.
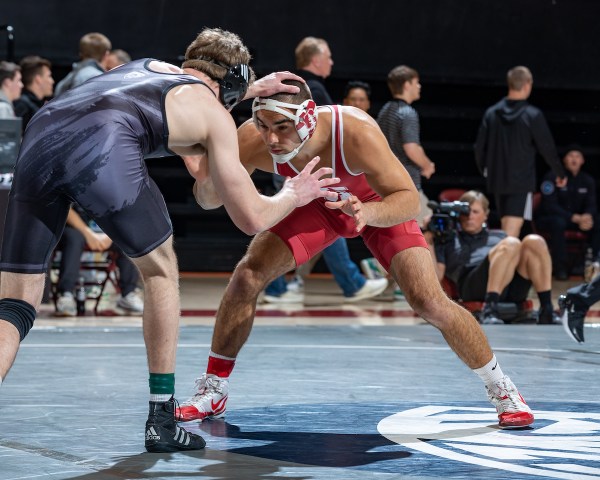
(358, 94)
(488, 265)
(10, 88)
(399, 122)
(77, 235)
(571, 207)
(117, 57)
(94, 49)
(313, 63)
(511, 133)
(38, 85)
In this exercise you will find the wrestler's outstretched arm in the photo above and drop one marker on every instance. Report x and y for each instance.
(224, 176)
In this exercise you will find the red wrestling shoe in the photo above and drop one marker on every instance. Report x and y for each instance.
(208, 402)
(512, 410)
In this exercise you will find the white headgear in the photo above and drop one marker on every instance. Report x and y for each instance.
(305, 120)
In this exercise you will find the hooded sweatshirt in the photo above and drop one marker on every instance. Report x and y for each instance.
(511, 133)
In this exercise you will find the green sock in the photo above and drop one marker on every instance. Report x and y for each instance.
(162, 386)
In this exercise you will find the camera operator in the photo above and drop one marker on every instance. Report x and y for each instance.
(487, 265)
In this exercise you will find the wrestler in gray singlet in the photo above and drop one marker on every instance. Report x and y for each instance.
(88, 146)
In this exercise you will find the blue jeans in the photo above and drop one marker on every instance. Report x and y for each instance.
(277, 287)
(344, 270)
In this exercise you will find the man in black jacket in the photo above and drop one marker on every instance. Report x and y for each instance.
(572, 207)
(38, 84)
(511, 132)
(314, 62)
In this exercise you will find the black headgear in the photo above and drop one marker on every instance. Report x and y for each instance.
(234, 85)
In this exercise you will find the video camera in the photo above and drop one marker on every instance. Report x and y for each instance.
(443, 220)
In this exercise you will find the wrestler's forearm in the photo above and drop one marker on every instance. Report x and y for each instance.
(397, 208)
(206, 195)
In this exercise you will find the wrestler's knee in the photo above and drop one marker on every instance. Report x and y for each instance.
(18, 313)
(435, 307)
(250, 277)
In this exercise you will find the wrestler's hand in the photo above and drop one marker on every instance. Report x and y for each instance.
(271, 84)
(96, 241)
(197, 166)
(307, 186)
(352, 207)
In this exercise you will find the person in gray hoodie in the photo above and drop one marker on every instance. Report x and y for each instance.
(511, 133)
(94, 49)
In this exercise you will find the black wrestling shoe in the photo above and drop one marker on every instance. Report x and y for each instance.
(164, 435)
(572, 316)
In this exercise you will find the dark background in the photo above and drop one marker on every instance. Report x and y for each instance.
(462, 50)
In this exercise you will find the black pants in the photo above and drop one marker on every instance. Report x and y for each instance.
(72, 244)
(557, 226)
(472, 285)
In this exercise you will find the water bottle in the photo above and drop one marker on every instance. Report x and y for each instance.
(588, 268)
(80, 296)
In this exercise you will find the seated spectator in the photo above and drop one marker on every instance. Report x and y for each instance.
(76, 236)
(94, 49)
(117, 57)
(487, 265)
(572, 207)
(38, 85)
(358, 94)
(10, 88)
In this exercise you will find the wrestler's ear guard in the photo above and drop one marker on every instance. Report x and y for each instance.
(306, 119)
(234, 85)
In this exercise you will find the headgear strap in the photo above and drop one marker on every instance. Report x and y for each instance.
(305, 120)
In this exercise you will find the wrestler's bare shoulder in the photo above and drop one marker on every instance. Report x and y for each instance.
(356, 116)
(164, 67)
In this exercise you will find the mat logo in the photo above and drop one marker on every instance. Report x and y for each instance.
(562, 445)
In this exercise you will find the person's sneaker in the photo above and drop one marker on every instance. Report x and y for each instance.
(65, 305)
(132, 303)
(547, 316)
(398, 294)
(372, 268)
(371, 288)
(209, 401)
(572, 317)
(489, 315)
(296, 284)
(287, 297)
(512, 410)
(164, 435)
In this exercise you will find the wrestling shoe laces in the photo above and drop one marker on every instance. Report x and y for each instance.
(512, 410)
(164, 435)
(209, 401)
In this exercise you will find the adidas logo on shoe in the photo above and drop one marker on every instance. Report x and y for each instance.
(151, 435)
